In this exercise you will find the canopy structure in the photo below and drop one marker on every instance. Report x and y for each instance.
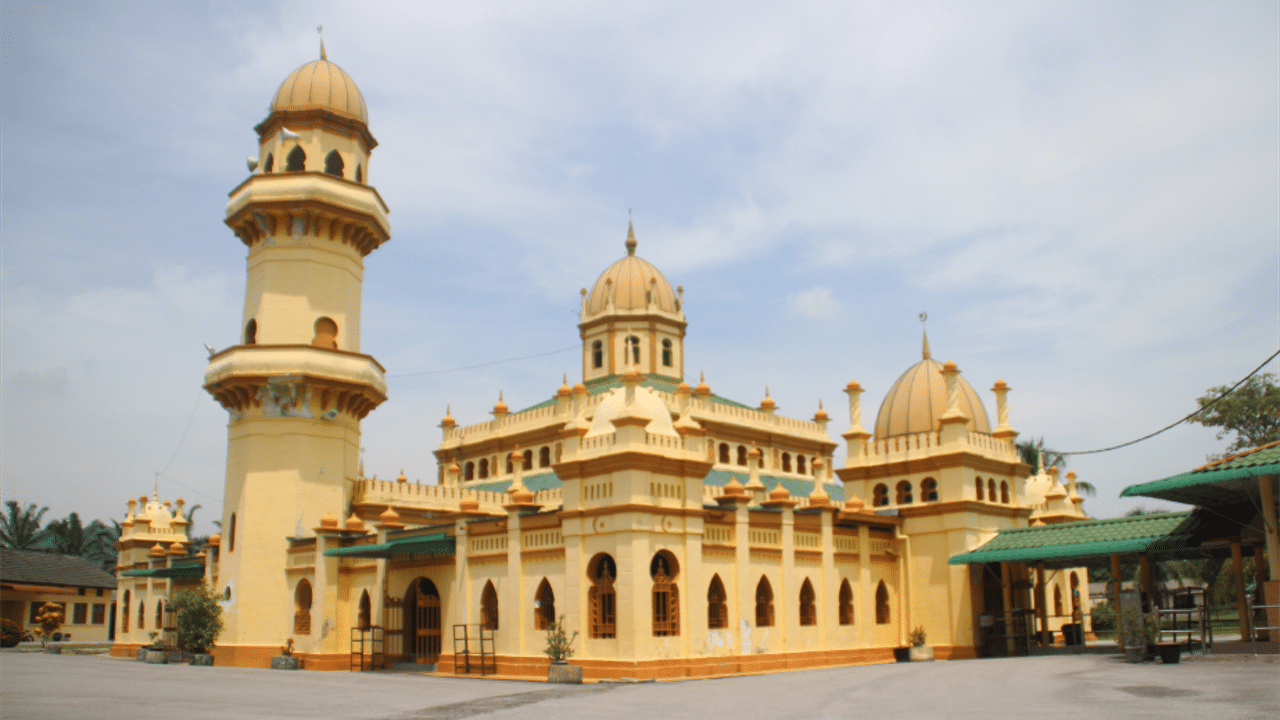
(1176, 534)
(186, 572)
(433, 544)
(1230, 481)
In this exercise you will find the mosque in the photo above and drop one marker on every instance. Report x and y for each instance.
(678, 532)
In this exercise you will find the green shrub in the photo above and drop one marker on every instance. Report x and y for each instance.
(199, 619)
(10, 633)
(1104, 617)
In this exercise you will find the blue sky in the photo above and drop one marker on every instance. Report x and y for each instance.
(1083, 197)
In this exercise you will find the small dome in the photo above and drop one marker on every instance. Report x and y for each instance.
(754, 452)
(631, 282)
(854, 503)
(328, 521)
(767, 403)
(500, 407)
(389, 516)
(176, 548)
(703, 388)
(919, 398)
(647, 404)
(684, 389)
(447, 421)
(157, 550)
(214, 539)
(819, 498)
(733, 487)
(579, 389)
(354, 523)
(821, 415)
(779, 493)
(402, 478)
(565, 390)
(323, 85)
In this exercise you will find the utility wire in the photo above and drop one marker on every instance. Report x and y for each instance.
(495, 362)
(184, 433)
(1173, 425)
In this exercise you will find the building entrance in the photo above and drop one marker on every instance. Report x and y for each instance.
(421, 608)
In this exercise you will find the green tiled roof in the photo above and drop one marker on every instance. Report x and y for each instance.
(716, 478)
(1078, 541)
(1225, 482)
(43, 568)
(661, 383)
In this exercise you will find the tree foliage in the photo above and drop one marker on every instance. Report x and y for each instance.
(20, 528)
(1032, 449)
(1251, 411)
(199, 619)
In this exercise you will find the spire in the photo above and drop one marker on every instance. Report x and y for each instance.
(631, 238)
(924, 316)
(323, 56)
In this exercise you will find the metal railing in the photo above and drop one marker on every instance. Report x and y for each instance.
(479, 646)
(1254, 627)
(367, 650)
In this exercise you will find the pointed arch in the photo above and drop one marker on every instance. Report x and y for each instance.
(160, 615)
(124, 617)
(786, 462)
(1057, 600)
(528, 460)
(846, 602)
(544, 457)
(882, 604)
(601, 598)
(420, 619)
(359, 175)
(742, 455)
(251, 332)
(302, 608)
(333, 163)
(270, 164)
(977, 487)
(489, 606)
(666, 595)
(808, 606)
(544, 606)
(365, 619)
(724, 453)
(717, 605)
(484, 468)
(764, 603)
(142, 614)
(991, 490)
(469, 471)
(1004, 492)
(800, 464)
(296, 161)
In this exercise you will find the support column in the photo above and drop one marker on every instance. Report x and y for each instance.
(744, 612)
(787, 620)
(829, 588)
(461, 595)
(1148, 590)
(513, 587)
(1242, 607)
(866, 611)
(1006, 587)
(1041, 602)
(1117, 582)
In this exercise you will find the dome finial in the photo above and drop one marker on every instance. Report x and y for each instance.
(320, 32)
(631, 236)
(925, 351)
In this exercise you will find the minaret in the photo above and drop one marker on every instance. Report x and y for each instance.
(296, 385)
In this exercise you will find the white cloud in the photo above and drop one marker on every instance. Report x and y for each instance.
(816, 303)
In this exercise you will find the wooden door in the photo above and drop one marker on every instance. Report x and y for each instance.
(427, 621)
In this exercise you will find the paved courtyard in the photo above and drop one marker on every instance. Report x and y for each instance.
(1090, 686)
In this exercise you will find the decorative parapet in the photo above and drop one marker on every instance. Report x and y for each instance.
(718, 535)
(541, 539)
(424, 497)
(901, 447)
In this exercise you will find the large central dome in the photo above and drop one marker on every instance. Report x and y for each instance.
(321, 84)
(630, 282)
(919, 398)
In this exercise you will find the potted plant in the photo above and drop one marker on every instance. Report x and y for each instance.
(919, 651)
(199, 623)
(10, 633)
(1140, 633)
(286, 660)
(559, 650)
(48, 622)
(153, 652)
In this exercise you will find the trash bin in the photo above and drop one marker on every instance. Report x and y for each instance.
(1073, 634)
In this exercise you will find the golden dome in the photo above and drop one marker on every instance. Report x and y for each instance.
(631, 282)
(323, 85)
(919, 398)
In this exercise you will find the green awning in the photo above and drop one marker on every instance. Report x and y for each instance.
(434, 544)
(1229, 481)
(1068, 544)
(182, 572)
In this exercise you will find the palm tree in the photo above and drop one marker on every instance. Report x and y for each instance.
(100, 544)
(20, 529)
(67, 536)
(1033, 449)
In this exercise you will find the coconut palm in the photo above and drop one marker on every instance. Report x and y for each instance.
(1033, 450)
(20, 529)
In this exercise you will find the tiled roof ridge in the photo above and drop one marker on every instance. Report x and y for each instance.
(1230, 458)
(1062, 527)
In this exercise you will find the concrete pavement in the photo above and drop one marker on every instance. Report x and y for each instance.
(1096, 687)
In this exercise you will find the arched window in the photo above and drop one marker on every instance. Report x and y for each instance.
(929, 490)
(469, 471)
(326, 334)
(633, 344)
(359, 175)
(764, 603)
(601, 597)
(333, 163)
(231, 536)
(544, 457)
(124, 618)
(786, 462)
(800, 464)
(484, 468)
(142, 614)
(1057, 600)
(251, 332)
(991, 490)
(724, 453)
(509, 468)
(544, 606)
(977, 487)
(904, 493)
(489, 606)
(1004, 492)
(666, 353)
(880, 495)
(159, 615)
(270, 164)
(846, 603)
(302, 608)
(666, 596)
(882, 604)
(296, 161)
(808, 608)
(717, 605)
(365, 619)
(597, 354)
(528, 460)
(1076, 614)
(742, 454)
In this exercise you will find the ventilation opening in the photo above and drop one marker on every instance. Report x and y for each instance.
(296, 161)
(666, 353)
(359, 176)
(326, 334)
(597, 354)
(333, 163)
(251, 332)
(270, 164)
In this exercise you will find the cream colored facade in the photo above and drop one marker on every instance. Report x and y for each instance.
(681, 533)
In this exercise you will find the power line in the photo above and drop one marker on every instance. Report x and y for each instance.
(184, 433)
(1173, 425)
(495, 362)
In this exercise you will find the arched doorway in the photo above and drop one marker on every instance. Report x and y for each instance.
(421, 608)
